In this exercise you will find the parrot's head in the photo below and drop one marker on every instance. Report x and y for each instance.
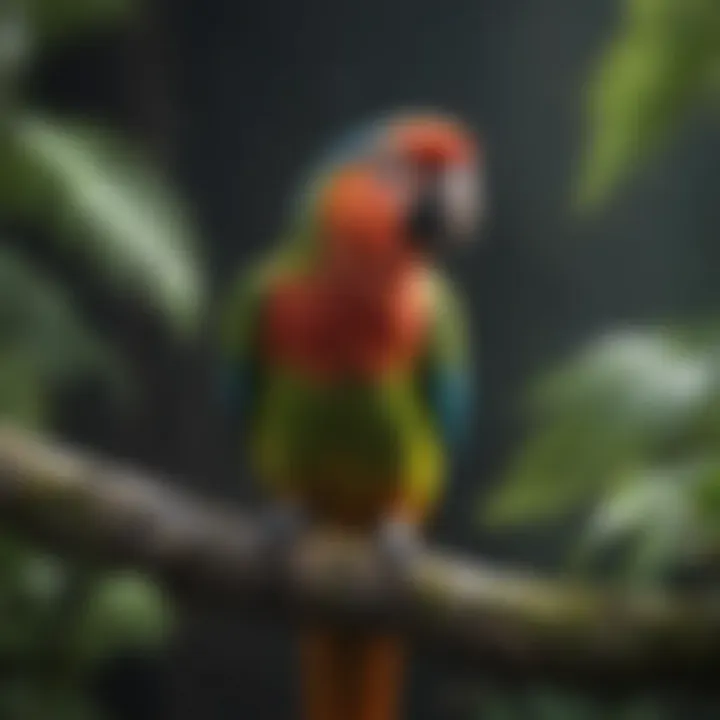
(407, 187)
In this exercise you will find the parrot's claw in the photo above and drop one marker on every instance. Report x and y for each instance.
(399, 544)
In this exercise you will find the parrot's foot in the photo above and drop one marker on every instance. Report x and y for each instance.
(399, 544)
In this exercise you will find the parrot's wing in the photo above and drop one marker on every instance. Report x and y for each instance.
(239, 380)
(447, 374)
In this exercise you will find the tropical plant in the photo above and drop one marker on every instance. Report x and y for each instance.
(630, 426)
(629, 429)
(90, 194)
(626, 432)
(662, 66)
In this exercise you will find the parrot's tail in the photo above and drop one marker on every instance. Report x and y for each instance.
(351, 676)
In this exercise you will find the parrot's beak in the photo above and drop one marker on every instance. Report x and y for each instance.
(446, 210)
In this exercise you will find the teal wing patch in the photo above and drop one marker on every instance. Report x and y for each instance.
(239, 373)
(448, 376)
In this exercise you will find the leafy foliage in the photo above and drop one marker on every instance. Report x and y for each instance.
(64, 620)
(90, 192)
(663, 64)
(86, 187)
(45, 344)
(539, 703)
(101, 200)
(627, 431)
(52, 19)
(630, 427)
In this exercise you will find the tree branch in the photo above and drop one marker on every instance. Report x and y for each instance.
(487, 620)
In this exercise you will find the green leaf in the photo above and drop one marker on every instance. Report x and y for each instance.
(126, 611)
(23, 605)
(45, 344)
(652, 517)
(544, 703)
(16, 45)
(54, 19)
(647, 383)
(552, 474)
(26, 698)
(23, 397)
(104, 203)
(627, 399)
(627, 402)
(661, 67)
(554, 705)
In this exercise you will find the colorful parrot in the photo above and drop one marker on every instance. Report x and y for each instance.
(348, 371)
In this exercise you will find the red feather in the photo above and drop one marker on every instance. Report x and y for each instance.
(328, 332)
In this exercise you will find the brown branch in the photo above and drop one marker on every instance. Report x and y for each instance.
(490, 621)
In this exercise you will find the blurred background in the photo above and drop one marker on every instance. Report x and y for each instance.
(147, 150)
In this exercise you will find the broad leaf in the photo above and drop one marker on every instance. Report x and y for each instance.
(651, 518)
(126, 611)
(662, 65)
(44, 342)
(107, 205)
(40, 320)
(630, 429)
(554, 472)
(625, 401)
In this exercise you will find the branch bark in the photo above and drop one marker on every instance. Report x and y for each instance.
(487, 620)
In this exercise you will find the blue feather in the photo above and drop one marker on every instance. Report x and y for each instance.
(451, 401)
(350, 146)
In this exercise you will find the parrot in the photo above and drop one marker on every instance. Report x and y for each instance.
(347, 370)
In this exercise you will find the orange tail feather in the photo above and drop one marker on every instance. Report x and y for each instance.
(351, 677)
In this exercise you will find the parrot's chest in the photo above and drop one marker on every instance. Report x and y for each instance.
(331, 336)
(345, 443)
